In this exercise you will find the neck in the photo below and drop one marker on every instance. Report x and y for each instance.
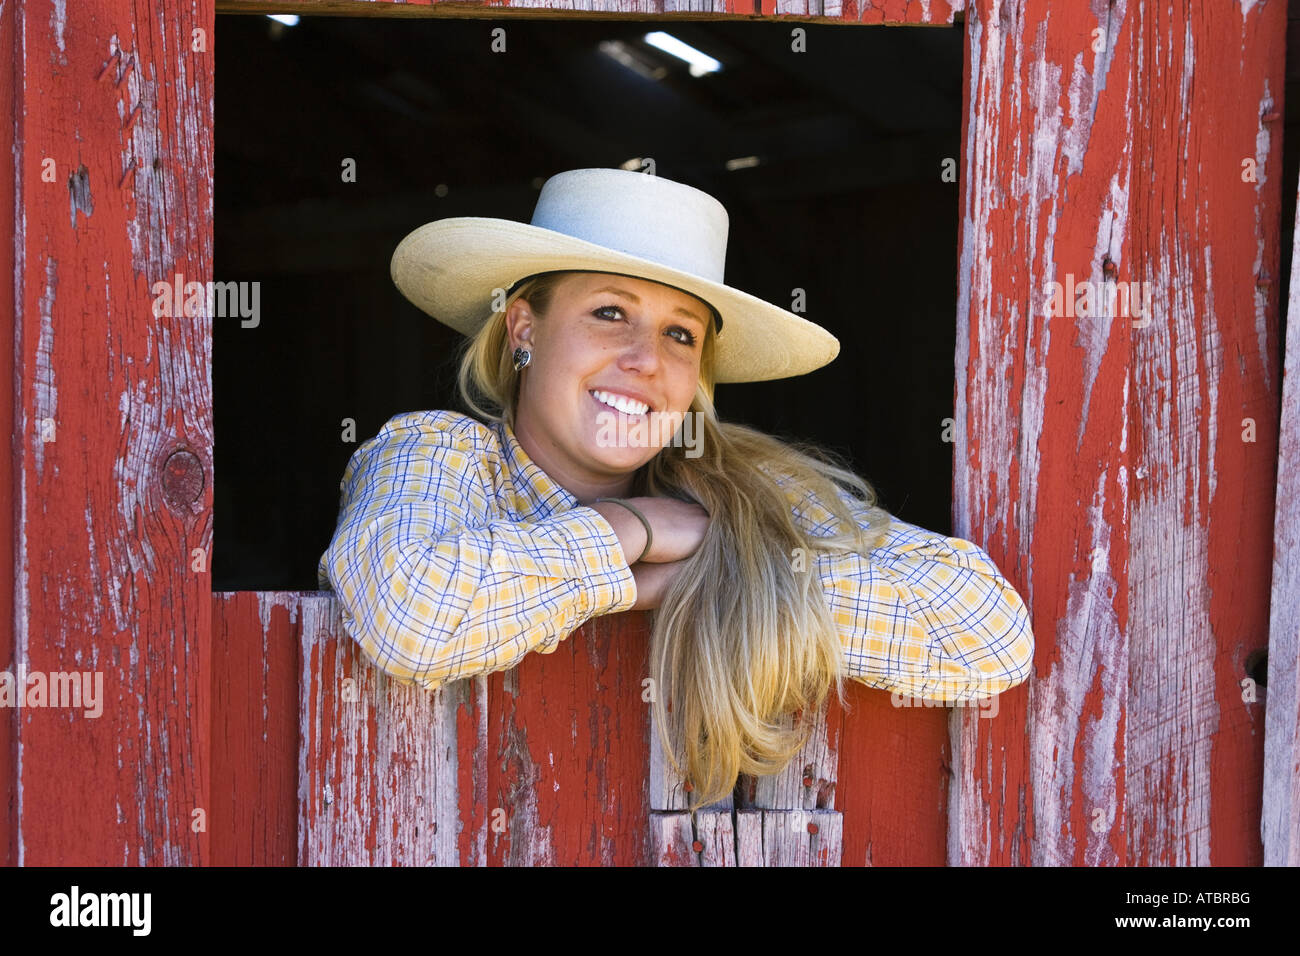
(583, 485)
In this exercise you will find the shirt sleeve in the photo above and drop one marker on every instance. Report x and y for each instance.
(434, 584)
(928, 616)
(923, 614)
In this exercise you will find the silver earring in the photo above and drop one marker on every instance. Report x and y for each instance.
(522, 358)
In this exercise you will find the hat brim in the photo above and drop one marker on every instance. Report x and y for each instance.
(449, 269)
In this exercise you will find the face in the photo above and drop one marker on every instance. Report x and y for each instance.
(606, 340)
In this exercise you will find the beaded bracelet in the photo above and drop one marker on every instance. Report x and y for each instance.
(649, 536)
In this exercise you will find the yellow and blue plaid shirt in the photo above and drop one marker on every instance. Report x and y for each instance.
(455, 555)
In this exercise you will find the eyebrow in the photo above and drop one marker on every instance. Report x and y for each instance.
(680, 310)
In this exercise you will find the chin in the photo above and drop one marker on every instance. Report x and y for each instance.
(622, 460)
(616, 448)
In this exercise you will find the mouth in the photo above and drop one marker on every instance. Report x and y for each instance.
(618, 403)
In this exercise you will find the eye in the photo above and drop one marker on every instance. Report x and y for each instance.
(679, 333)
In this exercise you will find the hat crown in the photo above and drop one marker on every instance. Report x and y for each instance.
(640, 214)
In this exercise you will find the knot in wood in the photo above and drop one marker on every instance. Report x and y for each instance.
(182, 478)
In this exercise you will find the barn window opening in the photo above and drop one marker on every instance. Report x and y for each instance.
(835, 149)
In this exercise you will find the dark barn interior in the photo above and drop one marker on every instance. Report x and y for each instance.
(830, 161)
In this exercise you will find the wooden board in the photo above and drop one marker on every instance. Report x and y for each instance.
(914, 12)
(551, 764)
(1281, 810)
(255, 725)
(110, 122)
(1102, 461)
(544, 764)
(11, 544)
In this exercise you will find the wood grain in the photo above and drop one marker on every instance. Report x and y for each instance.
(1280, 825)
(112, 428)
(913, 12)
(254, 819)
(11, 283)
(1102, 462)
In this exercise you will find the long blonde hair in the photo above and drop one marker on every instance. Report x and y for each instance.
(734, 661)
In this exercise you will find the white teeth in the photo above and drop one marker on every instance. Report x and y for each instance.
(626, 405)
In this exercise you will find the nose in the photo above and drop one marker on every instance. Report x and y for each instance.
(640, 353)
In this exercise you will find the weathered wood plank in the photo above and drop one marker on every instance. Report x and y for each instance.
(567, 757)
(1280, 824)
(672, 840)
(912, 12)
(817, 763)
(1025, 499)
(543, 764)
(892, 787)
(1202, 510)
(1119, 495)
(668, 786)
(788, 837)
(678, 840)
(113, 427)
(11, 543)
(378, 771)
(255, 727)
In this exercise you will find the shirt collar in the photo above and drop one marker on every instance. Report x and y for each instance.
(536, 494)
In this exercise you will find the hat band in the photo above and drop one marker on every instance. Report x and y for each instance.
(717, 318)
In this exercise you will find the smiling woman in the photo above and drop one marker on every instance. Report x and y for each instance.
(613, 355)
(465, 542)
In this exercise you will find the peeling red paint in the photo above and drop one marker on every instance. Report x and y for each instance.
(1130, 745)
(1132, 620)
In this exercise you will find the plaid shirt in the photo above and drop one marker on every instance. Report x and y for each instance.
(456, 555)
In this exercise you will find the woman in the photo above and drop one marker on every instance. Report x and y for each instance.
(596, 477)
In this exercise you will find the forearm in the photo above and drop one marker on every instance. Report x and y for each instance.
(652, 581)
(441, 607)
(631, 532)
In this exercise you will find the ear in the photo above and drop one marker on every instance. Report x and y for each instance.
(519, 323)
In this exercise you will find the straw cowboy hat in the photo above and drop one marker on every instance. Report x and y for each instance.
(609, 220)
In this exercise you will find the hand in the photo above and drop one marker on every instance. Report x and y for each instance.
(678, 528)
(652, 581)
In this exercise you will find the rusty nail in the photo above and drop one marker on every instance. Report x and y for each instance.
(807, 781)
(812, 828)
(127, 176)
(687, 786)
(1108, 268)
(1270, 117)
(126, 70)
(130, 120)
(117, 54)
(697, 846)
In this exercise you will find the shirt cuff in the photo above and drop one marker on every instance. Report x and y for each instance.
(608, 582)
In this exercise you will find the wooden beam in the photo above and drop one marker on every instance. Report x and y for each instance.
(1280, 826)
(1102, 462)
(11, 541)
(543, 764)
(898, 12)
(254, 819)
(112, 495)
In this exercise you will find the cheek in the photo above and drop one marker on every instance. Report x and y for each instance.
(684, 387)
